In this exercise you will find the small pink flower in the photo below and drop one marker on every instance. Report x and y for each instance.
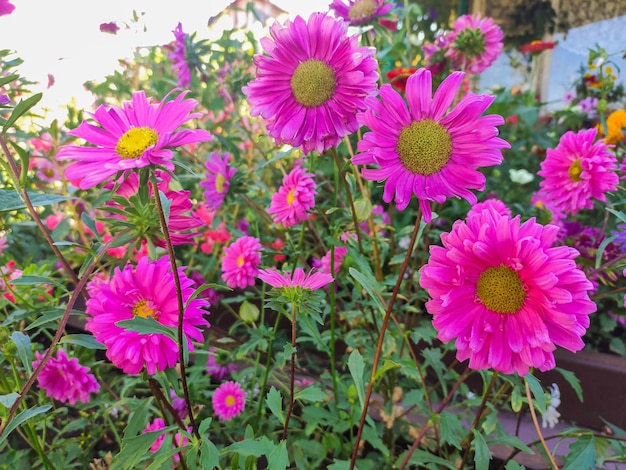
(219, 367)
(240, 264)
(110, 27)
(6, 8)
(4, 244)
(218, 176)
(178, 56)
(65, 379)
(158, 424)
(294, 198)
(228, 400)
(310, 280)
(53, 220)
(476, 43)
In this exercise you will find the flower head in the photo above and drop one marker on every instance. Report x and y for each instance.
(228, 400)
(6, 7)
(397, 77)
(536, 47)
(360, 11)
(179, 438)
(505, 293)
(134, 136)
(589, 105)
(615, 123)
(294, 198)
(145, 290)
(476, 43)
(423, 150)
(309, 281)
(577, 170)
(64, 379)
(179, 57)
(219, 366)
(240, 264)
(218, 176)
(312, 82)
(110, 27)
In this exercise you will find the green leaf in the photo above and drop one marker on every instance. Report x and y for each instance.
(511, 441)
(356, 366)
(138, 420)
(481, 451)
(513, 465)
(22, 108)
(24, 350)
(30, 280)
(148, 326)
(11, 201)
(8, 79)
(136, 447)
(278, 459)
(209, 455)
(274, 402)
(204, 425)
(516, 399)
(87, 341)
(582, 454)
(368, 284)
(8, 400)
(371, 435)
(247, 448)
(165, 203)
(387, 365)
(312, 393)
(421, 457)
(537, 390)
(91, 224)
(451, 429)
(572, 380)
(21, 418)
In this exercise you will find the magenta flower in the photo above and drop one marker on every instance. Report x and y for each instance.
(145, 290)
(134, 136)
(218, 176)
(4, 244)
(64, 379)
(309, 281)
(228, 400)
(313, 82)
(6, 7)
(360, 11)
(240, 263)
(180, 439)
(111, 27)
(294, 198)
(423, 150)
(179, 57)
(476, 43)
(491, 204)
(577, 170)
(219, 366)
(505, 293)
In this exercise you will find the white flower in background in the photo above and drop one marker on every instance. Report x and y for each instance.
(551, 418)
(521, 176)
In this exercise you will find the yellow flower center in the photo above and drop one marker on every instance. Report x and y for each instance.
(424, 147)
(230, 400)
(575, 170)
(291, 197)
(313, 83)
(240, 261)
(501, 290)
(144, 309)
(219, 183)
(362, 9)
(136, 141)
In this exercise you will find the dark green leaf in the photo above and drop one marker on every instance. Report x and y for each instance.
(452, 431)
(29, 280)
(537, 390)
(312, 393)
(274, 402)
(481, 451)
(572, 380)
(582, 454)
(356, 366)
(147, 326)
(278, 458)
(24, 350)
(22, 108)
(209, 455)
(84, 340)
(21, 418)
(136, 447)
(11, 201)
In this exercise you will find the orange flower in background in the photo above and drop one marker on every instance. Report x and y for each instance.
(614, 123)
(536, 47)
(398, 77)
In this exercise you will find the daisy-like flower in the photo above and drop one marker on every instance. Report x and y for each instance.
(615, 123)
(505, 293)
(228, 400)
(577, 170)
(219, 366)
(476, 43)
(313, 82)
(218, 176)
(240, 263)
(294, 198)
(299, 279)
(145, 290)
(64, 379)
(134, 136)
(357, 12)
(179, 57)
(423, 150)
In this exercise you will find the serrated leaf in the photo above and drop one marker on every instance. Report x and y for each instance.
(420, 457)
(278, 458)
(356, 366)
(247, 448)
(582, 454)
(147, 326)
(24, 350)
(312, 394)
(84, 340)
(538, 394)
(209, 455)
(274, 402)
(513, 465)
(11, 201)
(21, 418)
(22, 108)
(571, 379)
(138, 420)
(451, 429)
(204, 426)
(481, 451)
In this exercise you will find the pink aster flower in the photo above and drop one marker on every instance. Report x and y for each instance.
(505, 293)
(313, 82)
(310, 280)
(476, 43)
(240, 263)
(426, 150)
(134, 136)
(219, 366)
(360, 11)
(179, 57)
(577, 170)
(145, 290)
(294, 198)
(6, 7)
(228, 400)
(491, 204)
(64, 379)
(111, 27)
(218, 176)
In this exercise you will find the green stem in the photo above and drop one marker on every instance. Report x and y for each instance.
(350, 200)
(537, 427)
(292, 378)
(270, 347)
(331, 293)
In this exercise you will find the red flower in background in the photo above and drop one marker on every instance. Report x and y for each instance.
(398, 77)
(535, 47)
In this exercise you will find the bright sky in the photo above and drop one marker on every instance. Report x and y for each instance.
(63, 38)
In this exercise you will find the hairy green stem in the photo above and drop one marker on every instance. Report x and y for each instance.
(292, 378)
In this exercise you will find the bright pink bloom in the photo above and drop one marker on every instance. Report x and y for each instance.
(360, 11)
(240, 263)
(490, 204)
(577, 170)
(313, 82)
(340, 254)
(179, 57)
(423, 150)
(64, 379)
(158, 424)
(310, 280)
(145, 290)
(476, 43)
(133, 136)
(111, 27)
(6, 8)
(53, 220)
(218, 176)
(219, 366)
(228, 400)
(294, 198)
(505, 293)
(4, 244)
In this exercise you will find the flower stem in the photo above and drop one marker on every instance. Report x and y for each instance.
(536, 423)
(350, 200)
(381, 337)
(270, 347)
(181, 308)
(292, 379)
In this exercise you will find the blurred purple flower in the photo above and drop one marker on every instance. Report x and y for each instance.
(110, 27)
